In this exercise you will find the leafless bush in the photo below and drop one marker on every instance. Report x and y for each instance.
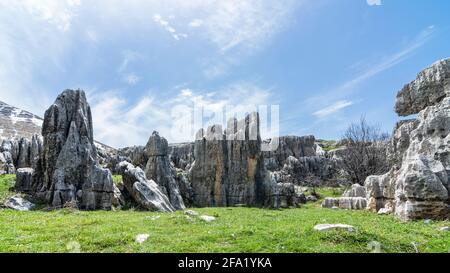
(366, 151)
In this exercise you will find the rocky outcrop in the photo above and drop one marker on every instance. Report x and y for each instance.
(353, 198)
(308, 171)
(285, 147)
(182, 155)
(19, 153)
(68, 171)
(159, 169)
(430, 87)
(350, 203)
(136, 155)
(145, 193)
(418, 188)
(229, 168)
(24, 180)
(400, 140)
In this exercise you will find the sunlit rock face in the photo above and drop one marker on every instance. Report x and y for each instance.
(418, 187)
(430, 87)
(68, 171)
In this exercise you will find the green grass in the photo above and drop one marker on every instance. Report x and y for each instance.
(235, 230)
(6, 182)
(117, 179)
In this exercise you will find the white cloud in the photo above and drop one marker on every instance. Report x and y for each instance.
(57, 12)
(374, 2)
(165, 24)
(336, 107)
(132, 79)
(120, 122)
(196, 23)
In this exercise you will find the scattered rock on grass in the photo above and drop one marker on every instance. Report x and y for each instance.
(328, 227)
(444, 229)
(191, 213)
(208, 218)
(19, 203)
(141, 238)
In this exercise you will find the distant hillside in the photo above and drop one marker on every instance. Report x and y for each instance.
(15, 122)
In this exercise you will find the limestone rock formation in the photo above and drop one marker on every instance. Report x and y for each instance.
(159, 169)
(16, 153)
(182, 155)
(288, 146)
(68, 170)
(145, 193)
(419, 187)
(354, 198)
(229, 169)
(400, 140)
(24, 180)
(350, 203)
(136, 155)
(429, 88)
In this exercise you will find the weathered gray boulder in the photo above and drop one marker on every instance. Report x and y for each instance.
(351, 203)
(380, 191)
(355, 190)
(429, 88)
(19, 203)
(145, 193)
(159, 169)
(24, 180)
(68, 171)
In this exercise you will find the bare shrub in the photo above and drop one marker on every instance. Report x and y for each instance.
(366, 151)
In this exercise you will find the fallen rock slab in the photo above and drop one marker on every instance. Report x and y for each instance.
(19, 203)
(207, 218)
(145, 193)
(329, 227)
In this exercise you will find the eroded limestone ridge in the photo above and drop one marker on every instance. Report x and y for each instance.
(418, 186)
(229, 166)
(68, 170)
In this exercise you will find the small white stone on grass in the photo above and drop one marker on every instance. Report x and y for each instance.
(141, 238)
(444, 229)
(208, 218)
(328, 227)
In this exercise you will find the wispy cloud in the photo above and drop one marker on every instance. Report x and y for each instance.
(349, 87)
(165, 24)
(332, 109)
(131, 79)
(374, 2)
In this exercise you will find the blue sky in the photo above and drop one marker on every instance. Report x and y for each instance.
(324, 62)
